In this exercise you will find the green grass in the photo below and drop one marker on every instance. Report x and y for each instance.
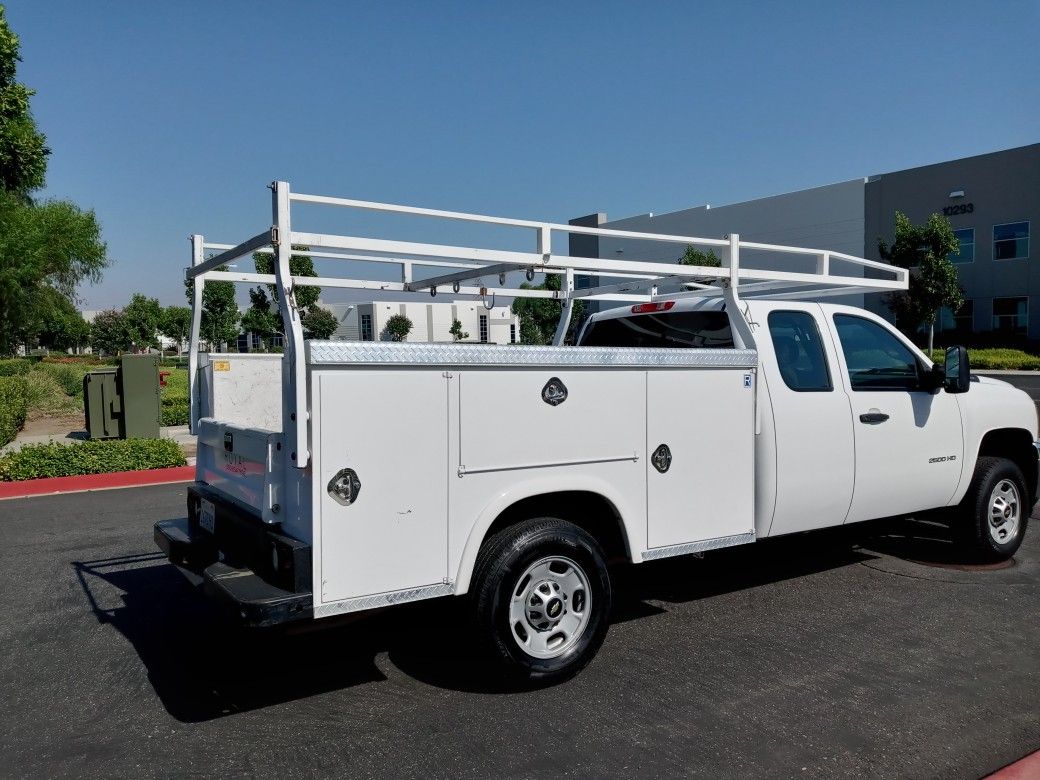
(995, 358)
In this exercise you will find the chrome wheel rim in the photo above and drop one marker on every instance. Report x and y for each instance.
(1004, 512)
(549, 607)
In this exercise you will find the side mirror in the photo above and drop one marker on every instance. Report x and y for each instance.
(958, 372)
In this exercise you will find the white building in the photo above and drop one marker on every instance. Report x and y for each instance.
(431, 322)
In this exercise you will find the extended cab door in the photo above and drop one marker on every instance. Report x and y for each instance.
(811, 439)
(908, 438)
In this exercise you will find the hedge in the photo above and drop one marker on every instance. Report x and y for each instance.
(14, 405)
(175, 398)
(68, 376)
(995, 359)
(15, 367)
(174, 411)
(34, 461)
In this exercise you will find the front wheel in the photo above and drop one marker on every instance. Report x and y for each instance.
(995, 511)
(542, 598)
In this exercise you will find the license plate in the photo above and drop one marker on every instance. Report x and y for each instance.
(208, 516)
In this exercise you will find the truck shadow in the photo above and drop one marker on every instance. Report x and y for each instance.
(203, 668)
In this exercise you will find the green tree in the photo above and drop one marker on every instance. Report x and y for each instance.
(540, 316)
(61, 326)
(398, 327)
(261, 317)
(299, 265)
(694, 256)
(110, 333)
(318, 323)
(176, 324)
(219, 310)
(925, 250)
(457, 334)
(143, 316)
(46, 249)
(23, 148)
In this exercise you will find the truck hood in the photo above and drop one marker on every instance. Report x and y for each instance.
(1001, 403)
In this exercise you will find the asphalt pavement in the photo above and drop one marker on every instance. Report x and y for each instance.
(839, 654)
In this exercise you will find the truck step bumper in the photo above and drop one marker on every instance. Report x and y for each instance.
(253, 601)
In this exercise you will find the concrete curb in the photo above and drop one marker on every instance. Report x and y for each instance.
(1027, 768)
(118, 479)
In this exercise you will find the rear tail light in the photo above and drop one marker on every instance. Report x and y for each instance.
(649, 308)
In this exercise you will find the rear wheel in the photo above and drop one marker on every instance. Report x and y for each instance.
(995, 512)
(542, 598)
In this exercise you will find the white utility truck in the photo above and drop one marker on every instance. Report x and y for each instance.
(716, 407)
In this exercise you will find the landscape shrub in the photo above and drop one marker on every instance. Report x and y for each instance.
(175, 411)
(995, 359)
(15, 367)
(175, 408)
(47, 398)
(73, 360)
(1003, 359)
(14, 405)
(35, 461)
(68, 376)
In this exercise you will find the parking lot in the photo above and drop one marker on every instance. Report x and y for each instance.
(845, 653)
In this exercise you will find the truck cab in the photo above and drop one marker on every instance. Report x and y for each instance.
(844, 394)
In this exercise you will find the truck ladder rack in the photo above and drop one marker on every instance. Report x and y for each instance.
(584, 278)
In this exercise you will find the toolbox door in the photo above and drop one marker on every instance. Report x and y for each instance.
(383, 436)
(700, 455)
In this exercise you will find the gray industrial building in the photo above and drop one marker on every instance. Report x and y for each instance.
(992, 200)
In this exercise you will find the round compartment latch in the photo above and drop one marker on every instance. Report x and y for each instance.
(344, 487)
(662, 458)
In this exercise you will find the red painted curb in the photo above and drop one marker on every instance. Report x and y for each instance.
(1027, 768)
(118, 479)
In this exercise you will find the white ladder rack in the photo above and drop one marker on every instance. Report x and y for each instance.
(630, 280)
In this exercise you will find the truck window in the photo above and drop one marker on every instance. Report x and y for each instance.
(876, 359)
(799, 352)
(664, 329)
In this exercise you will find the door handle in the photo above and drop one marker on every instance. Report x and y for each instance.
(873, 417)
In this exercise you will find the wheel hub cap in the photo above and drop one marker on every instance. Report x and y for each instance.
(1004, 507)
(548, 610)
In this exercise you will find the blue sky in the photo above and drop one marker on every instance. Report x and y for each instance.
(171, 118)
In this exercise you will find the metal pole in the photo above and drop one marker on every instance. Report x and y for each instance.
(568, 308)
(198, 284)
(294, 372)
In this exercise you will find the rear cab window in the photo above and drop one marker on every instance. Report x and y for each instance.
(799, 351)
(675, 329)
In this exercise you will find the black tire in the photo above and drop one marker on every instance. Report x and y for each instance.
(503, 560)
(974, 513)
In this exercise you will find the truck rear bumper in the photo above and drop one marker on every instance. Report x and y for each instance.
(261, 576)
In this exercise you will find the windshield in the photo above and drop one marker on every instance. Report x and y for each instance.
(665, 329)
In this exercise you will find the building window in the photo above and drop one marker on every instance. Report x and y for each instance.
(483, 329)
(966, 253)
(366, 327)
(1011, 315)
(1011, 241)
(512, 333)
(950, 321)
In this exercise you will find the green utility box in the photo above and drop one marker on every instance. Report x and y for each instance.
(123, 402)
